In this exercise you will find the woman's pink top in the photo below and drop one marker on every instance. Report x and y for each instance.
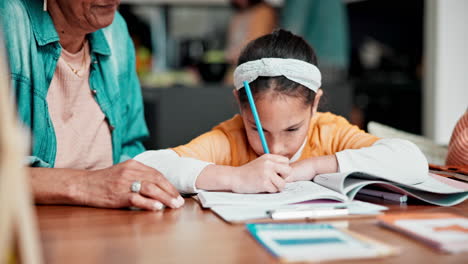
(81, 129)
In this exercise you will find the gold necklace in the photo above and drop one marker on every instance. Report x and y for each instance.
(83, 62)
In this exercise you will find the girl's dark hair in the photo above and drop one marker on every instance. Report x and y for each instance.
(250, 3)
(279, 44)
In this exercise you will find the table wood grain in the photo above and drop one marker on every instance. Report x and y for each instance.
(72, 234)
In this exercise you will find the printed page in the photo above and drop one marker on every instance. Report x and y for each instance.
(437, 198)
(438, 184)
(333, 181)
(438, 229)
(293, 193)
(433, 183)
(442, 199)
(435, 189)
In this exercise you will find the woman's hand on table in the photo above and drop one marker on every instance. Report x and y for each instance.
(111, 188)
(107, 188)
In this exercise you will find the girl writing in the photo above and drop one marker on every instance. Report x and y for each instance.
(281, 69)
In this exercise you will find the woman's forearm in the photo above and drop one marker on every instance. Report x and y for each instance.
(57, 186)
(111, 187)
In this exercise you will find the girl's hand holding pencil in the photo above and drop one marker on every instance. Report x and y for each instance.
(264, 174)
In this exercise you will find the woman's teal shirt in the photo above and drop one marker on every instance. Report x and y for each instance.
(33, 48)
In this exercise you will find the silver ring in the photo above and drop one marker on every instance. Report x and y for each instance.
(136, 186)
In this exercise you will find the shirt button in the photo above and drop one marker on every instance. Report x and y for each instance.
(94, 91)
(95, 61)
(111, 127)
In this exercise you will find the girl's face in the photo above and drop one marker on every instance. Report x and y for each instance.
(285, 121)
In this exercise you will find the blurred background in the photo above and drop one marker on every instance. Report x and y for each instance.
(397, 63)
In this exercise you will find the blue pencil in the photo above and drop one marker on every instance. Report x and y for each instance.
(257, 119)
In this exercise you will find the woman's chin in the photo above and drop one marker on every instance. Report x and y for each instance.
(102, 16)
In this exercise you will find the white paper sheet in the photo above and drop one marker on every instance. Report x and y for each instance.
(293, 193)
(247, 213)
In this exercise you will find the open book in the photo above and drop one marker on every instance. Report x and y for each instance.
(343, 187)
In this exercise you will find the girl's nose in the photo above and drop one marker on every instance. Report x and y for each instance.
(276, 147)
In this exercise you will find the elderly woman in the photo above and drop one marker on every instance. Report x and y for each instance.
(73, 75)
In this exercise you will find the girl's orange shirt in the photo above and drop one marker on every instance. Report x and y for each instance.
(227, 144)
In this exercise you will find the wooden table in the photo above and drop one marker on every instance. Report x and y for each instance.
(72, 234)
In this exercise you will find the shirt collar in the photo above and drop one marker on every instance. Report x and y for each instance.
(298, 154)
(41, 23)
(45, 33)
(99, 43)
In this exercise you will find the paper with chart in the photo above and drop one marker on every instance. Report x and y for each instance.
(315, 242)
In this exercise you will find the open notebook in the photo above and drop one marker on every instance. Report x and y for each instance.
(343, 187)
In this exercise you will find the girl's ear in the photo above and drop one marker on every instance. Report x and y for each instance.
(318, 95)
(236, 96)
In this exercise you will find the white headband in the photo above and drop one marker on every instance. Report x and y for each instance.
(295, 70)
